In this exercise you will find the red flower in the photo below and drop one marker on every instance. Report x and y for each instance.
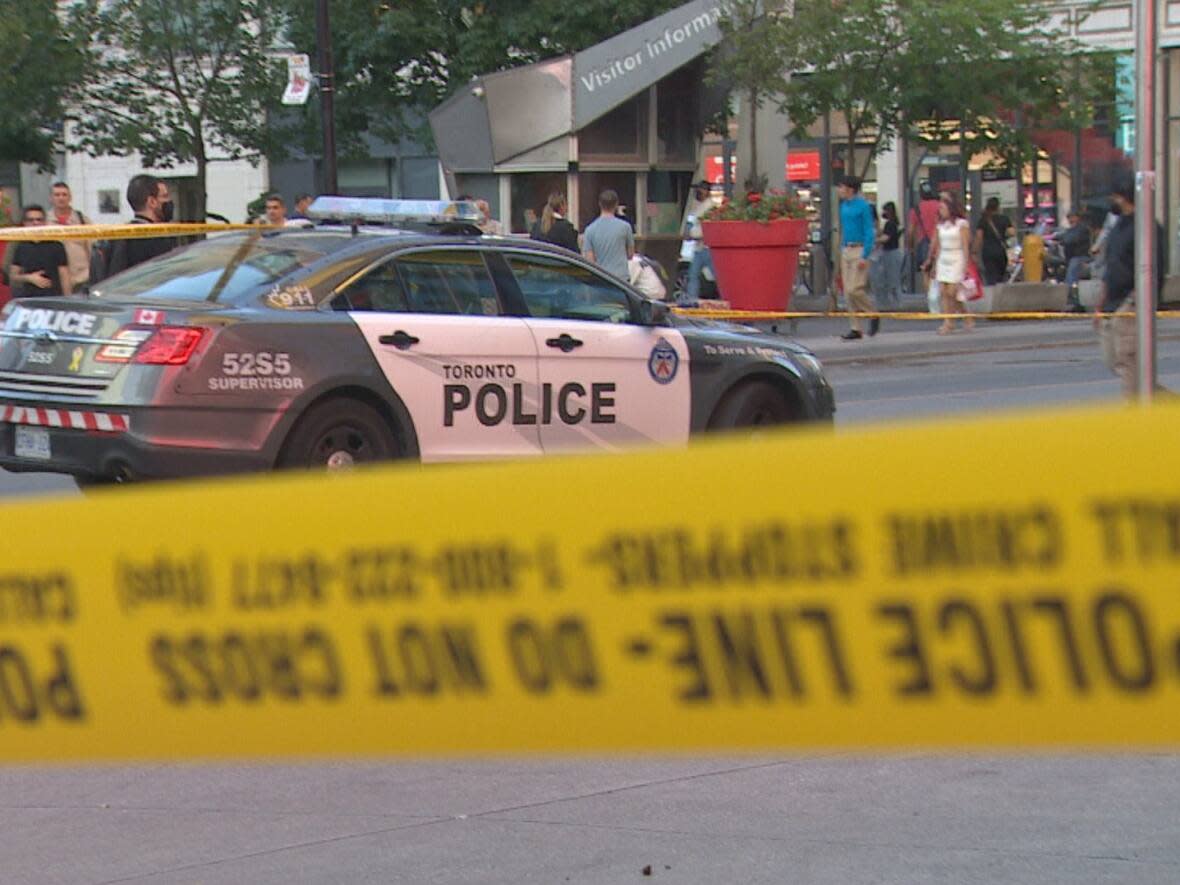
(754, 197)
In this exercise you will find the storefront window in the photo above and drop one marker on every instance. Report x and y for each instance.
(365, 178)
(1169, 192)
(1108, 147)
(419, 180)
(530, 192)
(591, 184)
(620, 136)
(858, 167)
(480, 186)
(677, 101)
(667, 195)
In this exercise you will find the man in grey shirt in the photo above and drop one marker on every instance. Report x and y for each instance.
(609, 241)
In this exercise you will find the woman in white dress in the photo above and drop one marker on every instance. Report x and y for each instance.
(948, 256)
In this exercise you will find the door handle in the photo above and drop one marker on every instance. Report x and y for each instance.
(563, 342)
(399, 339)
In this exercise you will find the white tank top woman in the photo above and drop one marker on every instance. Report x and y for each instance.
(952, 259)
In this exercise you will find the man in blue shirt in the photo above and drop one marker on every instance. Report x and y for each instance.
(609, 241)
(858, 233)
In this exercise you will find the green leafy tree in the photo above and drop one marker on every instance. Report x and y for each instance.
(178, 81)
(935, 69)
(40, 65)
(394, 62)
(744, 66)
(992, 79)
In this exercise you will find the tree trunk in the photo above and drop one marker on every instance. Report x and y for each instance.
(752, 175)
(202, 170)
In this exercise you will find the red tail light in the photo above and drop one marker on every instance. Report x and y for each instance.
(132, 336)
(170, 346)
(155, 346)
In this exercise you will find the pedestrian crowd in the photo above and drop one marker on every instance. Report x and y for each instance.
(956, 262)
(955, 259)
(608, 241)
(68, 267)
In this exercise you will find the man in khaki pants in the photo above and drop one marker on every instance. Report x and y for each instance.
(1115, 314)
(858, 234)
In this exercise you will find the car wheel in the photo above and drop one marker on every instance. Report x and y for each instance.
(338, 434)
(753, 404)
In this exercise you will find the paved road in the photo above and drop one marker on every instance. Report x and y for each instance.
(894, 819)
(908, 371)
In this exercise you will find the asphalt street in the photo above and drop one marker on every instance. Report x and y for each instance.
(836, 820)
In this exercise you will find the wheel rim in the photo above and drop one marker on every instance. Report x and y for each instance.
(340, 447)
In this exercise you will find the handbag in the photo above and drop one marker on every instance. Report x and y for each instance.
(971, 288)
(934, 297)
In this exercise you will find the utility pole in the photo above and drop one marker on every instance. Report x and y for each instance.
(327, 78)
(1145, 244)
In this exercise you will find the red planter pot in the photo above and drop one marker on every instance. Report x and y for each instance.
(756, 263)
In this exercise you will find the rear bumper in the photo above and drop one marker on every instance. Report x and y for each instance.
(157, 443)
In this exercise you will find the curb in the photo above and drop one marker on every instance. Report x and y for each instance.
(879, 356)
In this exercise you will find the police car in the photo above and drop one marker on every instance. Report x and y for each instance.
(389, 329)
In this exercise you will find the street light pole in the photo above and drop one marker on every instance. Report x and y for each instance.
(1145, 244)
(327, 83)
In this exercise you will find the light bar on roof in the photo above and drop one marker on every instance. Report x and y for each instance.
(373, 210)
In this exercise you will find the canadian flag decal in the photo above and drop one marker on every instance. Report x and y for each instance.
(149, 317)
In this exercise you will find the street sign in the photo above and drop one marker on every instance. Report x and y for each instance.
(298, 80)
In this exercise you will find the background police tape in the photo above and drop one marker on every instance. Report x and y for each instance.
(798, 591)
(122, 231)
(186, 229)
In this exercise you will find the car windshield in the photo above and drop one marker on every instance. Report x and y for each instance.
(219, 269)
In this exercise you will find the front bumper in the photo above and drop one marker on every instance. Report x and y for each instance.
(825, 399)
(156, 444)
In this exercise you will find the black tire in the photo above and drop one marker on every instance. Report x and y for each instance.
(752, 405)
(89, 483)
(338, 433)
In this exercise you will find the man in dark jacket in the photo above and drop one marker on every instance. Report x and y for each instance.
(1075, 243)
(152, 204)
(1115, 313)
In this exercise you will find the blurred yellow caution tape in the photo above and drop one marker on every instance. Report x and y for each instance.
(41, 233)
(784, 592)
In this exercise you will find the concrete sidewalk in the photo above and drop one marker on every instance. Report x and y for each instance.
(918, 339)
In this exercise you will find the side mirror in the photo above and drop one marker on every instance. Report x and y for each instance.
(653, 313)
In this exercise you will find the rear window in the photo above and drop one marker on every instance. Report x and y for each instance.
(221, 269)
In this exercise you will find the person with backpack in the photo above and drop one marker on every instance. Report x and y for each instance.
(991, 243)
(77, 251)
(647, 277)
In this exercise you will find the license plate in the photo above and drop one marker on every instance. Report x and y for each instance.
(31, 442)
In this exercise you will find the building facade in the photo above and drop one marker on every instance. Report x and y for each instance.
(1074, 169)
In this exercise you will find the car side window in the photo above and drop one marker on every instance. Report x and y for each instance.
(450, 281)
(379, 289)
(557, 289)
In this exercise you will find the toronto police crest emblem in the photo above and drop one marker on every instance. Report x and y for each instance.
(663, 362)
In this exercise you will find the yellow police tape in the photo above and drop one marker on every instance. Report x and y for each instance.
(42, 233)
(752, 316)
(999, 583)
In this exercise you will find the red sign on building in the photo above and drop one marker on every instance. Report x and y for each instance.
(803, 166)
(716, 170)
